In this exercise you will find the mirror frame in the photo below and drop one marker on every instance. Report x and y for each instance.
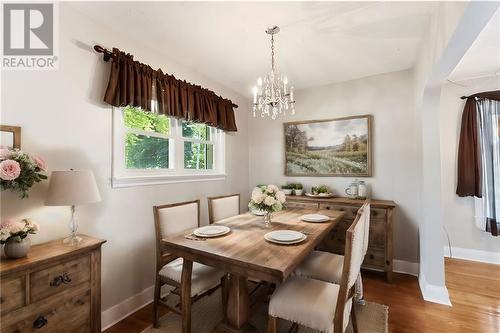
(16, 132)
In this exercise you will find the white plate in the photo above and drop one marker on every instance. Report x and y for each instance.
(259, 212)
(270, 238)
(285, 235)
(322, 195)
(212, 231)
(314, 218)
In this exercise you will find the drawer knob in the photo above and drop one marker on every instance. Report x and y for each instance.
(40, 322)
(60, 279)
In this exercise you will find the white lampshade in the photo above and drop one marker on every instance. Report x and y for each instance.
(73, 187)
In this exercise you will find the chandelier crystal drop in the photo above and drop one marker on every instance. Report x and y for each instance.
(273, 95)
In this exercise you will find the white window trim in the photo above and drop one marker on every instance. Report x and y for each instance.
(123, 177)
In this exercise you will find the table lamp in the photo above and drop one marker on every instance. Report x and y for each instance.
(72, 188)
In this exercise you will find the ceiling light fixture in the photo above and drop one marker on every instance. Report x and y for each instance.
(273, 95)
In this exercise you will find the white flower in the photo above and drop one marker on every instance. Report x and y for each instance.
(259, 198)
(4, 234)
(272, 188)
(280, 196)
(269, 201)
(256, 192)
(16, 227)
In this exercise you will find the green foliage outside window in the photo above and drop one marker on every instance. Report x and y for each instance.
(142, 151)
(198, 155)
(195, 131)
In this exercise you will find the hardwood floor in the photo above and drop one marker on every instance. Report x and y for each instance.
(474, 291)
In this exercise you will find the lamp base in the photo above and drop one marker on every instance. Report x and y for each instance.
(72, 240)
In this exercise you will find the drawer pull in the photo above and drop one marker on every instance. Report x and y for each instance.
(40, 322)
(60, 279)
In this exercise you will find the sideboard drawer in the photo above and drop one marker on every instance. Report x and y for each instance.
(57, 278)
(375, 258)
(377, 234)
(70, 314)
(12, 294)
(307, 205)
(378, 213)
(350, 211)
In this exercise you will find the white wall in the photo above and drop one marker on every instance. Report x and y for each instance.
(63, 120)
(459, 212)
(389, 98)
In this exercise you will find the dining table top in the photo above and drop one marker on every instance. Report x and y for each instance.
(244, 251)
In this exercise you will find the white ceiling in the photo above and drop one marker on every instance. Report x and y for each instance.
(483, 57)
(319, 42)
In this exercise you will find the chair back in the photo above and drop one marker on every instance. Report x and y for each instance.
(353, 258)
(222, 207)
(366, 218)
(171, 219)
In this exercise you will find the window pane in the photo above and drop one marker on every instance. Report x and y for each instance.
(136, 118)
(146, 152)
(198, 155)
(195, 131)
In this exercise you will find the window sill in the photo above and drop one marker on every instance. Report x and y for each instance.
(130, 181)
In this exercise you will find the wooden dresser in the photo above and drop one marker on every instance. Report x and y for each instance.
(380, 246)
(56, 288)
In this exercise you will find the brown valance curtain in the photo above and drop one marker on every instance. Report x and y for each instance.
(131, 83)
(469, 161)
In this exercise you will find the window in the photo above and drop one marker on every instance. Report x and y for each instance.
(153, 149)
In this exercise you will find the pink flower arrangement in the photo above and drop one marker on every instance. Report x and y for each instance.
(11, 230)
(19, 171)
(9, 169)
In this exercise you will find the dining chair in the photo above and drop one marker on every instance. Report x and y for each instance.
(170, 219)
(328, 267)
(317, 304)
(222, 207)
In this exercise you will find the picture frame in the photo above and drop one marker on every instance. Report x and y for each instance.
(11, 136)
(338, 147)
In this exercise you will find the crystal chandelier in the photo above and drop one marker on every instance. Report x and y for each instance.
(273, 95)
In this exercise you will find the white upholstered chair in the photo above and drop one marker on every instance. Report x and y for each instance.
(222, 207)
(171, 219)
(321, 305)
(326, 266)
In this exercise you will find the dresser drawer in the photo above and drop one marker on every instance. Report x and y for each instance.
(57, 278)
(296, 204)
(12, 294)
(58, 315)
(350, 211)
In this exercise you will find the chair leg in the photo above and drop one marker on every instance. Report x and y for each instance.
(271, 324)
(156, 299)
(187, 269)
(353, 319)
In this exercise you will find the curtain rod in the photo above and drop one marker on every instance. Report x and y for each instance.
(108, 55)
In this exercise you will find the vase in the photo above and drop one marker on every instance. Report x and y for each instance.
(16, 250)
(267, 219)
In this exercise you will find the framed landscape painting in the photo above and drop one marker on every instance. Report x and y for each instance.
(332, 147)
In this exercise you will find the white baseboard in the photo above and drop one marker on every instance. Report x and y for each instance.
(433, 293)
(406, 267)
(114, 314)
(474, 255)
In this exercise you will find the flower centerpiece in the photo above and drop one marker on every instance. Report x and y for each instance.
(267, 198)
(19, 171)
(15, 237)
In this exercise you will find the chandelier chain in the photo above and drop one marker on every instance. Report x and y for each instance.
(272, 52)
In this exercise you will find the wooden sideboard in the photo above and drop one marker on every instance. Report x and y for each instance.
(56, 288)
(380, 246)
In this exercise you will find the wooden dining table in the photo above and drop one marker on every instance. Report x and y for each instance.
(244, 253)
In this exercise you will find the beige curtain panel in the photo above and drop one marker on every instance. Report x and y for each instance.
(131, 83)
